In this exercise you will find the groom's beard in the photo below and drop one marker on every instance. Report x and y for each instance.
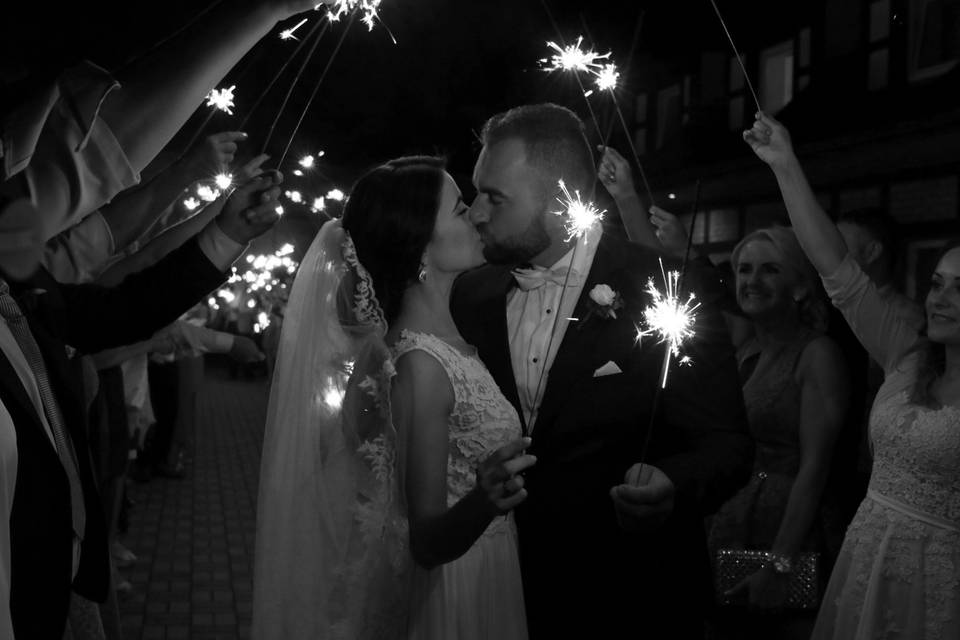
(520, 248)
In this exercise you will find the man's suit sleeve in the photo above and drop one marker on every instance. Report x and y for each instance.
(99, 317)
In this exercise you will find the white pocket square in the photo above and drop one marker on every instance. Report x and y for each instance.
(608, 369)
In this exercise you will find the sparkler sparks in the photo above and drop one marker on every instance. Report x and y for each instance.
(573, 58)
(336, 194)
(295, 196)
(191, 203)
(207, 193)
(369, 8)
(581, 216)
(307, 162)
(287, 34)
(669, 318)
(223, 180)
(222, 99)
(319, 204)
(607, 77)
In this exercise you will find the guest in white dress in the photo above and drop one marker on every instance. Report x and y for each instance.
(898, 573)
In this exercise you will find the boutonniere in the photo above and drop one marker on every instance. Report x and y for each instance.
(603, 301)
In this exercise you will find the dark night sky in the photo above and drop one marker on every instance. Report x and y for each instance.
(456, 63)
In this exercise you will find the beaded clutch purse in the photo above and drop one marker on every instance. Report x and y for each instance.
(733, 565)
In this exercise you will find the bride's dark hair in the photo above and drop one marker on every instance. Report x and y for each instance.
(390, 215)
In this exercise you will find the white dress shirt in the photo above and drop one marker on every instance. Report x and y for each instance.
(533, 315)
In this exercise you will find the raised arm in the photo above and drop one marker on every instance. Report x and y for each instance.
(422, 399)
(133, 212)
(161, 90)
(173, 237)
(617, 178)
(817, 233)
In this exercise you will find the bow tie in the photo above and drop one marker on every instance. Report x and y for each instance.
(535, 277)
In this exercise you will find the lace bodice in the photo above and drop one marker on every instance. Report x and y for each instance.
(917, 455)
(482, 419)
(898, 574)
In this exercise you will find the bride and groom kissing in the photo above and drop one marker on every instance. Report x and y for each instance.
(452, 450)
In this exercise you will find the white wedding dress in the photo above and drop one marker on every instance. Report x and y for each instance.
(479, 595)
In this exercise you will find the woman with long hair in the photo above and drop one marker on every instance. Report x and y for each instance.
(391, 460)
(898, 573)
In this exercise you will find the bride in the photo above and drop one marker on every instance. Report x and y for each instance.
(391, 461)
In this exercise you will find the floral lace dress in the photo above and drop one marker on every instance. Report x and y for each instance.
(898, 573)
(479, 595)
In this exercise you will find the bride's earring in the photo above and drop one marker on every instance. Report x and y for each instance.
(422, 274)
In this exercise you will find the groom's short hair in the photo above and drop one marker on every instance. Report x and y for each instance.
(554, 139)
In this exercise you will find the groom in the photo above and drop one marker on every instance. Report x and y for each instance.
(608, 548)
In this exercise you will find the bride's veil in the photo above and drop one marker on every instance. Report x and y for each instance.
(332, 559)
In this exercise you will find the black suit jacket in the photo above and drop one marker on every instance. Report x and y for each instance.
(582, 573)
(89, 318)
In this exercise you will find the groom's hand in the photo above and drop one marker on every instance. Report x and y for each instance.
(645, 500)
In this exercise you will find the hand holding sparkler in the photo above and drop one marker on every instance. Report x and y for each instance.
(770, 140)
(645, 500)
(214, 154)
(252, 208)
(615, 174)
(251, 169)
(670, 231)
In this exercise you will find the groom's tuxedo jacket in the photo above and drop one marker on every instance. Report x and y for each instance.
(582, 572)
(89, 318)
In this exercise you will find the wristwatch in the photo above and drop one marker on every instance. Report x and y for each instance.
(781, 564)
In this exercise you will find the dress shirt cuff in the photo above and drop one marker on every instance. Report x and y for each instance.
(218, 247)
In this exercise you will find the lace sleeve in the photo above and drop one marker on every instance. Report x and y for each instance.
(885, 333)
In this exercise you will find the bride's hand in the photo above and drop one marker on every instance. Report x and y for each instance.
(498, 478)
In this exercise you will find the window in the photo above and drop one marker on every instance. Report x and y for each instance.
(933, 38)
(776, 76)
(736, 88)
(878, 45)
(687, 98)
(803, 58)
(640, 124)
(668, 114)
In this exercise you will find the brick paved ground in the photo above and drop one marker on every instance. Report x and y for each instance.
(194, 537)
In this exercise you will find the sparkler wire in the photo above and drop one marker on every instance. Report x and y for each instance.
(293, 85)
(316, 88)
(736, 54)
(325, 22)
(633, 148)
(667, 346)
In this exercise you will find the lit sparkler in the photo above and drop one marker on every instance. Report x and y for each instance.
(573, 58)
(669, 318)
(287, 34)
(580, 215)
(191, 203)
(223, 180)
(222, 99)
(294, 196)
(319, 204)
(307, 162)
(369, 8)
(336, 194)
(207, 193)
(607, 77)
